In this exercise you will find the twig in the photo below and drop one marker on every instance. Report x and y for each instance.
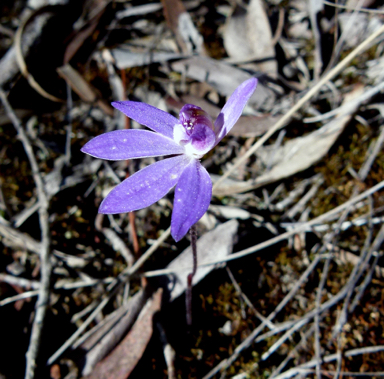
(340, 6)
(79, 315)
(168, 351)
(21, 217)
(284, 337)
(349, 374)
(118, 245)
(20, 296)
(336, 70)
(365, 168)
(311, 314)
(365, 254)
(353, 279)
(276, 147)
(295, 193)
(3, 204)
(20, 282)
(45, 269)
(293, 352)
(247, 301)
(279, 28)
(329, 358)
(6, 31)
(318, 61)
(19, 240)
(299, 206)
(317, 316)
(345, 34)
(375, 246)
(349, 106)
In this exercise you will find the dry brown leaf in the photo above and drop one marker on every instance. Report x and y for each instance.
(125, 58)
(77, 83)
(214, 245)
(17, 240)
(121, 362)
(94, 10)
(104, 339)
(253, 126)
(138, 10)
(213, 72)
(82, 87)
(247, 36)
(180, 22)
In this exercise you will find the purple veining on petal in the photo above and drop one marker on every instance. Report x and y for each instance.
(145, 114)
(145, 187)
(192, 197)
(233, 108)
(128, 144)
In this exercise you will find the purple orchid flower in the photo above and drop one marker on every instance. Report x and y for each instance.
(185, 140)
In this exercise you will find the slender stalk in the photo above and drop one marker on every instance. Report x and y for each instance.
(69, 126)
(188, 293)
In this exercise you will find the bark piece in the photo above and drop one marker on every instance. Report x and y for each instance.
(121, 362)
(105, 338)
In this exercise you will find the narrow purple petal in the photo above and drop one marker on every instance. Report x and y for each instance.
(233, 108)
(192, 197)
(145, 187)
(145, 114)
(129, 144)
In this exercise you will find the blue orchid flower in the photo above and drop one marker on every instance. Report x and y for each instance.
(184, 141)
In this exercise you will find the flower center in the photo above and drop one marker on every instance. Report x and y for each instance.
(194, 130)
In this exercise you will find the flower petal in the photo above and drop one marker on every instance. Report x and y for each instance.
(192, 197)
(145, 114)
(145, 187)
(233, 108)
(128, 144)
(202, 139)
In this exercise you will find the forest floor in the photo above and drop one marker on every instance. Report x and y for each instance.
(290, 283)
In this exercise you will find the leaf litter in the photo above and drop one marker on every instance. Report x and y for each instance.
(297, 212)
